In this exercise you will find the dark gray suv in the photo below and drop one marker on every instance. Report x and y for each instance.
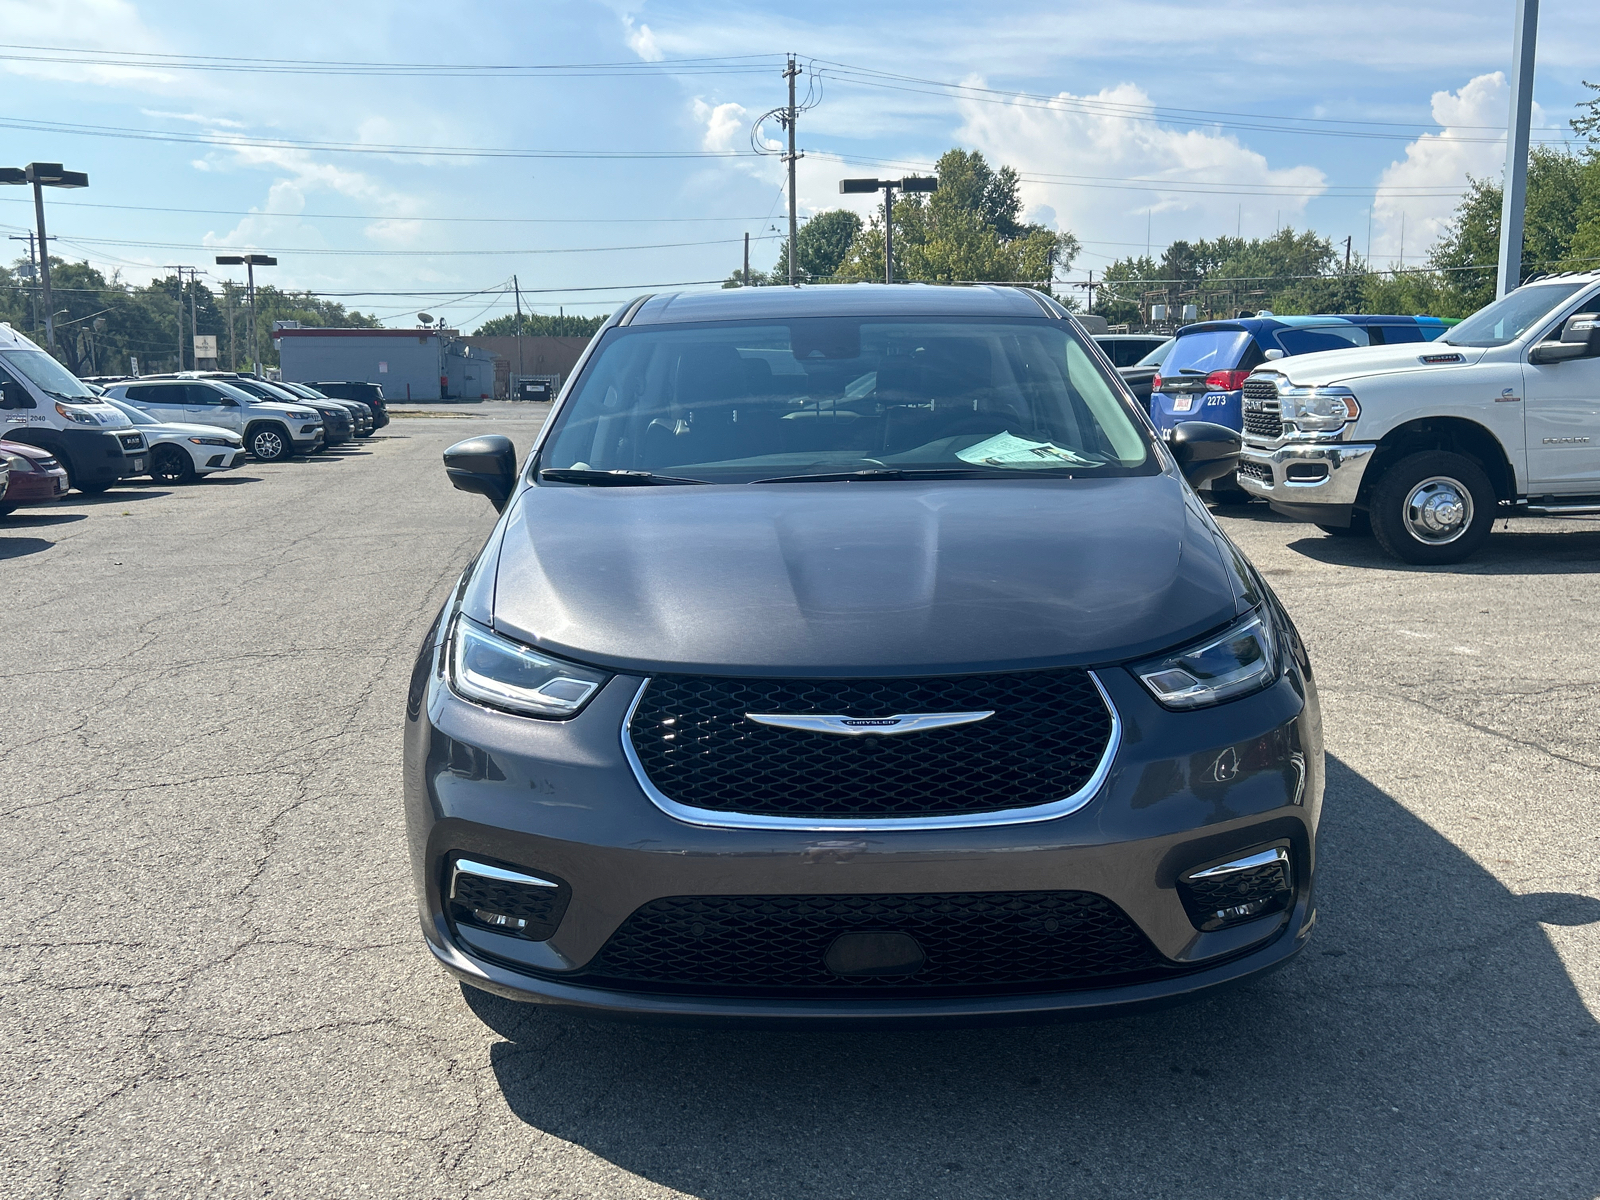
(858, 654)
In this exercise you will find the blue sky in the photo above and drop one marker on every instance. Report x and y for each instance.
(1141, 119)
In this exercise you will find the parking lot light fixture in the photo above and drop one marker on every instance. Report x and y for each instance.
(43, 175)
(250, 262)
(911, 183)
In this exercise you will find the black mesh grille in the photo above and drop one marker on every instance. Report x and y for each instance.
(1256, 471)
(131, 441)
(987, 941)
(1262, 415)
(1043, 743)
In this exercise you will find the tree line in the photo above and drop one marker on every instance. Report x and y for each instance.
(103, 324)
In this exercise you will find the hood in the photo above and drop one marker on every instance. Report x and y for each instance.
(843, 579)
(182, 429)
(1339, 366)
(23, 450)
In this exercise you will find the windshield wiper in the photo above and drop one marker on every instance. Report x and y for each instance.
(610, 478)
(874, 473)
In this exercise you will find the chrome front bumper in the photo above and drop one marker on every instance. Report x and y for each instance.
(1303, 476)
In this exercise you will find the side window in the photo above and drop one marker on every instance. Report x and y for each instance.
(163, 394)
(1394, 335)
(1321, 337)
(200, 394)
(19, 395)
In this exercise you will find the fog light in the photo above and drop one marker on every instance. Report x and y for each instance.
(506, 900)
(1239, 890)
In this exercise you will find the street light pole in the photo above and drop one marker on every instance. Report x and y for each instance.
(911, 183)
(1523, 38)
(43, 175)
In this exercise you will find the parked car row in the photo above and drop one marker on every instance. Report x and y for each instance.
(59, 432)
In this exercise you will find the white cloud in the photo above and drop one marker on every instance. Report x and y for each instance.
(1089, 137)
(725, 124)
(642, 41)
(1408, 205)
(194, 119)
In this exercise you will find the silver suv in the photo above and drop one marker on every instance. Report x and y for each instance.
(271, 431)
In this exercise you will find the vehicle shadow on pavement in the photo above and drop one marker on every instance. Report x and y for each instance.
(123, 494)
(1428, 1043)
(39, 518)
(1509, 552)
(21, 547)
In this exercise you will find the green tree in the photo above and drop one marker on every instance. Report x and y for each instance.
(822, 244)
(540, 325)
(966, 231)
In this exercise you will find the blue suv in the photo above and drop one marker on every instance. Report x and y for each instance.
(1202, 377)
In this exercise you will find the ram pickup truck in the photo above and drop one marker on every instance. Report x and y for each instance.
(1427, 445)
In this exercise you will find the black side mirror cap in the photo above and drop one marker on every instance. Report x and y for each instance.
(486, 465)
(1204, 450)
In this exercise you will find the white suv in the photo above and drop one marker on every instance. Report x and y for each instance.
(1429, 443)
(271, 431)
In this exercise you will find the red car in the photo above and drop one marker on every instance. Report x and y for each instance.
(37, 477)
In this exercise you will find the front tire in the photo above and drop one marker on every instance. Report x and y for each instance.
(268, 443)
(172, 465)
(1433, 508)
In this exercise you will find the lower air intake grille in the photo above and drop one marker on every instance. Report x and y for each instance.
(984, 941)
(1046, 737)
(518, 909)
(1257, 471)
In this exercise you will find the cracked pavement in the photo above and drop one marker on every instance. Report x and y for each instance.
(212, 984)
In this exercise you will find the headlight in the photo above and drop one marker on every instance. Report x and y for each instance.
(72, 414)
(210, 441)
(1318, 408)
(1241, 659)
(497, 671)
(18, 463)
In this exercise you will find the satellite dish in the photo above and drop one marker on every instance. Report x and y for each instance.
(425, 318)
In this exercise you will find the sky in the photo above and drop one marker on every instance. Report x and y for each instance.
(407, 157)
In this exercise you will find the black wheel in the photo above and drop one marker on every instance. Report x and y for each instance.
(1432, 508)
(7, 509)
(268, 443)
(169, 464)
(1359, 527)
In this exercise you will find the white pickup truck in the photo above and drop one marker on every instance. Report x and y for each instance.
(1427, 445)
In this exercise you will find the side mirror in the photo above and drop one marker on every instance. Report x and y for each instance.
(1580, 338)
(1204, 450)
(14, 395)
(486, 465)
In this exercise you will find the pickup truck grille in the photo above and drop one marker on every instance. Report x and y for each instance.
(1262, 414)
(131, 441)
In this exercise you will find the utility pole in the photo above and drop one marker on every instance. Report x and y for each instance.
(888, 235)
(516, 290)
(180, 271)
(194, 317)
(1347, 251)
(233, 345)
(33, 274)
(1524, 36)
(791, 158)
(746, 276)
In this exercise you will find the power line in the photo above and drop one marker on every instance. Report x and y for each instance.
(231, 212)
(208, 138)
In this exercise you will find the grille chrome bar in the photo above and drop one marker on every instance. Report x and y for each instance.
(717, 818)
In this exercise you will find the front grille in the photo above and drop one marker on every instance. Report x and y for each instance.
(131, 441)
(983, 941)
(1047, 736)
(1257, 471)
(1262, 413)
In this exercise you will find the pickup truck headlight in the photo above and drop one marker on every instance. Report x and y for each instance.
(1318, 408)
(1243, 658)
(504, 674)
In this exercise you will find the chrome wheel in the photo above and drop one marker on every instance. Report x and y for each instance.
(1438, 511)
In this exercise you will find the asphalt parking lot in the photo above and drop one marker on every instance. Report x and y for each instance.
(214, 984)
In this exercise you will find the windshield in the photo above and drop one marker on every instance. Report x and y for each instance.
(137, 415)
(49, 376)
(744, 401)
(1206, 351)
(1511, 316)
(1159, 355)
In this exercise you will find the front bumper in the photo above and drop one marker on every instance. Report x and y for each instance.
(559, 797)
(307, 445)
(1309, 481)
